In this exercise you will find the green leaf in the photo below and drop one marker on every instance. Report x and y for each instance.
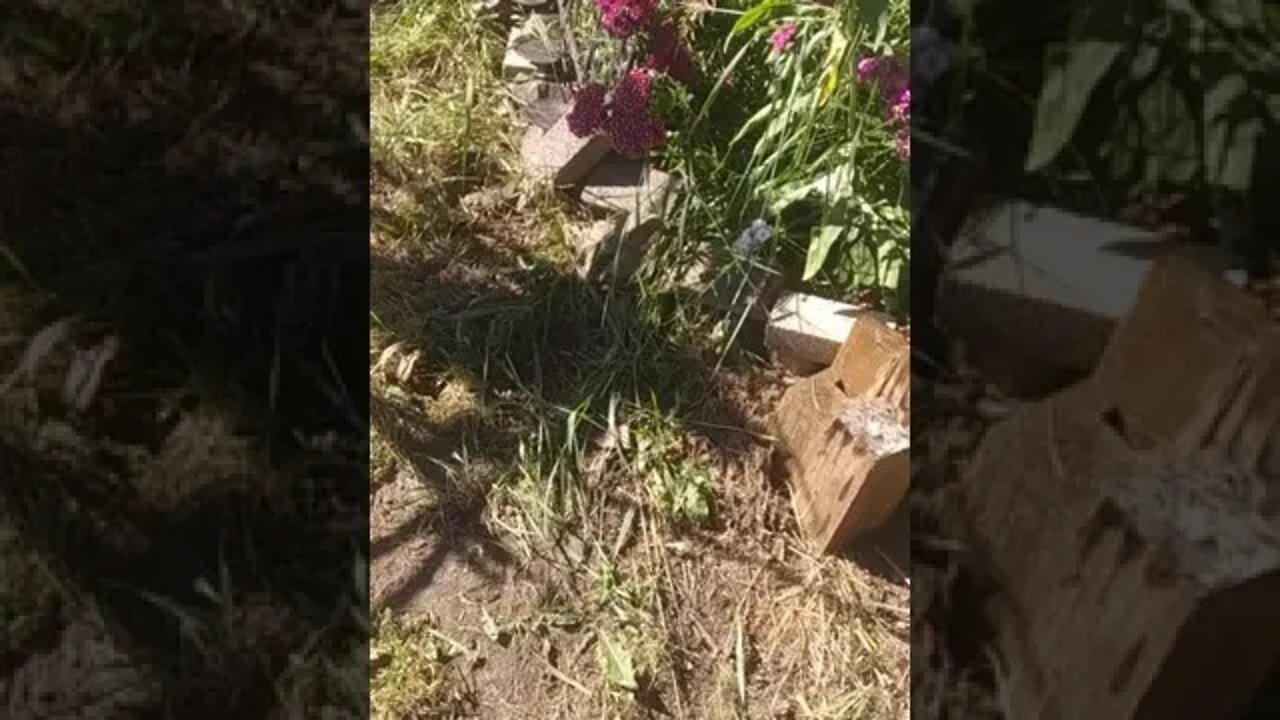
(1169, 134)
(694, 495)
(764, 114)
(1229, 141)
(754, 16)
(889, 258)
(862, 263)
(823, 239)
(833, 63)
(1068, 86)
(619, 667)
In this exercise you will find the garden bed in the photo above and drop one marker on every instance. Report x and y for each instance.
(577, 511)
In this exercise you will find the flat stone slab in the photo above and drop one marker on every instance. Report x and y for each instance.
(806, 330)
(557, 155)
(733, 289)
(492, 8)
(627, 185)
(612, 249)
(516, 67)
(541, 103)
(540, 40)
(1047, 286)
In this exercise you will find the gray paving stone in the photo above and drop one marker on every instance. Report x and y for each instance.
(733, 289)
(540, 40)
(615, 247)
(557, 155)
(627, 185)
(539, 102)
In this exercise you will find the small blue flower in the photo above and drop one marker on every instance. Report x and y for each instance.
(756, 234)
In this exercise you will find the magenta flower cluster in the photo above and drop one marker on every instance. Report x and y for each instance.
(624, 18)
(890, 77)
(626, 117)
(781, 39)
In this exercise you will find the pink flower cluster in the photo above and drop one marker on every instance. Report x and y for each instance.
(890, 77)
(626, 117)
(624, 18)
(781, 39)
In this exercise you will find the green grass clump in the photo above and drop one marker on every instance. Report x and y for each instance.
(411, 660)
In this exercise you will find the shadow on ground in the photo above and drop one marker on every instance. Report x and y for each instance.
(886, 551)
(529, 340)
(233, 291)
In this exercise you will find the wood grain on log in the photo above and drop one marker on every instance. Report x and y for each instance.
(1136, 584)
(1195, 353)
(875, 361)
(849, 452)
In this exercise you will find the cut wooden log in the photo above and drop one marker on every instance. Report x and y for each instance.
(1040, 459)
(1197, 363)
(848, 455)
(848, 460)
(808, 330)
(1134, 584)
(875, 360)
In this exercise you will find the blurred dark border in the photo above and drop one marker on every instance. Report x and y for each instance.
(190, 180)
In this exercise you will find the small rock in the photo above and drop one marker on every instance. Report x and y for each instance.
(487, 201)
(539, 102)
(627, 185)
(517, 68)
(589, 238)
(733, 289)
(558, 155)
(614, 248)
(537, 45)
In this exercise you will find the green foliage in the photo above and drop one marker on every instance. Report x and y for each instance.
(795, 134)
(679, 484)
(618, 665)
(412, 657)
(1186, 89)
